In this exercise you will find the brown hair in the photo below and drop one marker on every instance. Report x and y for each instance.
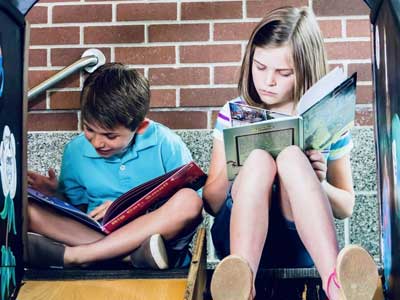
(293, 27)
(114, 95)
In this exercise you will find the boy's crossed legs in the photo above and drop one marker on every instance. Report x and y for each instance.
(179, 216)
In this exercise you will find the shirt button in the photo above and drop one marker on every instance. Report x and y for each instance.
(122, 167)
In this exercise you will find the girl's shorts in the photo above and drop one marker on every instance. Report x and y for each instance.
(283, 247)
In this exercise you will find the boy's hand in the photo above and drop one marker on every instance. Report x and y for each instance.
(46, 185)
(318, 163)
(99, 212)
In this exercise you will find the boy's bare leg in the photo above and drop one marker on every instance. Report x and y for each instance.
(180, 212)
(58, 227)
(251, 193)
(305, 202)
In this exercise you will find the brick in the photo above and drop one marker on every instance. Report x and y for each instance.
(358, 28)
(207, 96)
(67, 56)
(209, 54)
(163, 98)
(114, 34)
(211, 10)
(340, 8)
(332, 66)
(179, 33)
(145, 55)
(180, 119)
(38, 103)
(330, 28)
(364, 94)
(348, 50)
(259, 8)
(37, 57)
(233, 31)
(54, 36)
(179, 76)
(226, 75)
(52, 121)
(364, 117)
(37, 15)
(146, 11)
(82, 13)
(65, 100)
(364, 71)
(37, 77)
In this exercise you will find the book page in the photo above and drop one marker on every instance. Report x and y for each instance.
(326, 84)
(327, 120)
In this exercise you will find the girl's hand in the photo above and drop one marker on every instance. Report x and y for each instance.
(99, 212)
(46, 185)
(318, 163)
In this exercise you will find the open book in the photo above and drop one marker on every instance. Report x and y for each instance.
(134, 202)
(325, 112)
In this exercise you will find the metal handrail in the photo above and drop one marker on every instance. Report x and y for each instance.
(91, 59)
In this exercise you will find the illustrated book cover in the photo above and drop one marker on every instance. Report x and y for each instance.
(134, 202)
(324, 113)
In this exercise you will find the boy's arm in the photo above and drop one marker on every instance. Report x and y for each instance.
(45, 184)
(69, 185)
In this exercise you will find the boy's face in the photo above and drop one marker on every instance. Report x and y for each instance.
(108, 142)
(273, 77)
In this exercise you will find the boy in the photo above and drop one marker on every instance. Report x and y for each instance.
(119, 149)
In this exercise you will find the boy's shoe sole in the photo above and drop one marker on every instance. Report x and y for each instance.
(151, 254)
(232, 279)
(158, 251)
(356, 273)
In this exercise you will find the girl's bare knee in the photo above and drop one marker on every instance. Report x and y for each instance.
(289, 156)
(259, 160)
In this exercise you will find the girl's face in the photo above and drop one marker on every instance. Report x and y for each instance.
(108, 142)
(273, 77)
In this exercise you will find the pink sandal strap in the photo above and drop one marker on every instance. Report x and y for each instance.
(332, 277)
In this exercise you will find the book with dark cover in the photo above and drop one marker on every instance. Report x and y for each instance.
(134, 202)
(324, 113)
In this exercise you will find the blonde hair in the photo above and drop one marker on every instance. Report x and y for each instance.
(293, 27)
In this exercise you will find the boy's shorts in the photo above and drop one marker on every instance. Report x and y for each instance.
(179, 255)
(283, 247)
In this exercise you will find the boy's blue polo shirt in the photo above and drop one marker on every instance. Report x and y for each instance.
(88, 178)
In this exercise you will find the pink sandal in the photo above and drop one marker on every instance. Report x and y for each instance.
(356, 274)
(332, 278)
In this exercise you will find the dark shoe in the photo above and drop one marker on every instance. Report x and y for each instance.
(232, 279)
(151, 254)
(43, 252)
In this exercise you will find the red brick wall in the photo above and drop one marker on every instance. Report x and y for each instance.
(190, 51)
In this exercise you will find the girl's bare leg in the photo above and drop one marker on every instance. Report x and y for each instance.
(251, 193)
(305, 202)
(58, 227)
(179, 213)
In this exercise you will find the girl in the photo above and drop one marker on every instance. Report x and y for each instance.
(279, 212)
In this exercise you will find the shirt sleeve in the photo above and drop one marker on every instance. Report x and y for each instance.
(69, 184)
(174, 152)
(223, 121)
(341, 147)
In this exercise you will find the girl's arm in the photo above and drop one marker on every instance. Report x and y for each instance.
(339, 187)
(214, 191)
